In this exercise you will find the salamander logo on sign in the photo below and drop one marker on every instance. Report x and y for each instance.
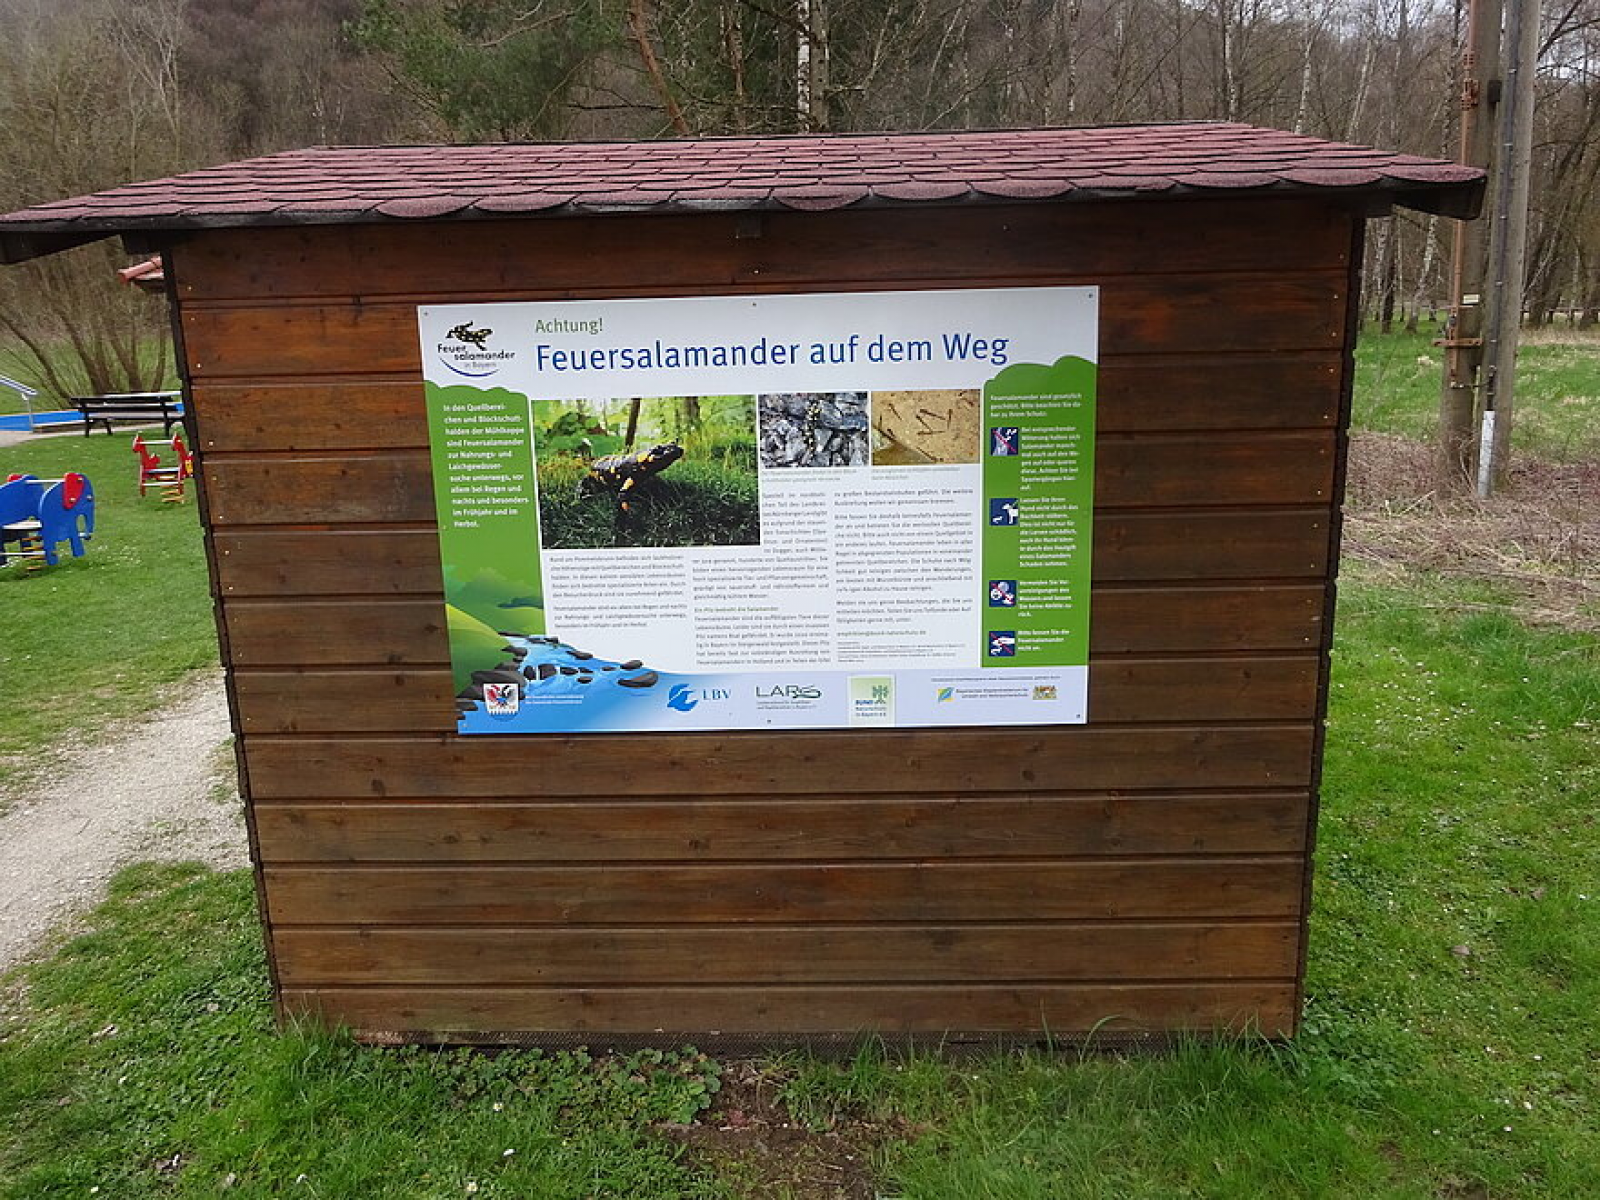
(465, 350)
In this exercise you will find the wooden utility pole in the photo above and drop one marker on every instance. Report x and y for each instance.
(1463, 340)
(1508, 241)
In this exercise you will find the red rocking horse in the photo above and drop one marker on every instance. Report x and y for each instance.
(169, 479)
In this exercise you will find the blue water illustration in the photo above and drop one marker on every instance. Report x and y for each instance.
(562, 688)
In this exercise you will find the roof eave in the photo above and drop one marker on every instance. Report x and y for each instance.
(22, 245)
(1460, 201)
(21, 242)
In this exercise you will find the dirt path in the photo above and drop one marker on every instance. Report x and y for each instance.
(161, 790)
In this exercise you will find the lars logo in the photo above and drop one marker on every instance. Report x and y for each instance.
(788, 691)
(466, 351)
(501, 700)
(683, 698)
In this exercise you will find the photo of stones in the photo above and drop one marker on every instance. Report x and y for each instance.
(814, 429)
(937, 426)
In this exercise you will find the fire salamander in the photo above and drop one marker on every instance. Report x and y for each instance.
(623, 473)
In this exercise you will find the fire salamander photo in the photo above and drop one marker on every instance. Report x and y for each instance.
(647, 471)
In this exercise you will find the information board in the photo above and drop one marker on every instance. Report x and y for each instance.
(751, 512)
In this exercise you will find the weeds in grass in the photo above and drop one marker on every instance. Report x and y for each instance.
(1538, 540)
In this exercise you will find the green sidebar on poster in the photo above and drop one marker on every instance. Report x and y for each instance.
(487, 505)
(1038, 481)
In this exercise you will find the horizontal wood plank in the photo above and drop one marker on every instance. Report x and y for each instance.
(784, 893)
(1265, 544)
(1167, 314)
(421, 700)
(366, 631)
(266, 632)
(309, 562)
(1217, 392)
(1145, 472)
(1128, 547)
(1205, 619)
(1128, 690)
(1056, 1010)
(1135, 395)
(311, 414)
(1039, 242)
(662, 253)
(378, 488)
(762, 828)
(1028, 759)
(750, 956)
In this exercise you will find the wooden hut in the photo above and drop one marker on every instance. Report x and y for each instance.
(1147, 870)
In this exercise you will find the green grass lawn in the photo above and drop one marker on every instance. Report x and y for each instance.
(98, 637)
(1558, 389)
(1449, 1048)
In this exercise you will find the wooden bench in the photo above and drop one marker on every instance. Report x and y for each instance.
(165, 407)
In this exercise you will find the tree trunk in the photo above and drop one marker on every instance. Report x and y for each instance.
(1303, 105)
(1074, 20)
(811, 65)
(733, 47)
(1428, 246)
(633, 424)
(1390, 274)
(1230, 54)
(639, 28)
(1362, 79)
(1589, 282)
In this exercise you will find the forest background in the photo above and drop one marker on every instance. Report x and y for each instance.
(95, 93)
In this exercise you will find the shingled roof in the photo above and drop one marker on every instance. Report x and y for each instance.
(330, 185)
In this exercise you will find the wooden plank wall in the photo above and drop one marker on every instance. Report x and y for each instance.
(1149, 867)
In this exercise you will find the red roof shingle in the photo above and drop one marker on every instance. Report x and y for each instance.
(400, 183)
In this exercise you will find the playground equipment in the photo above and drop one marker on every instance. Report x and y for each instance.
(24, 393)
(171, 479)
(40, 514)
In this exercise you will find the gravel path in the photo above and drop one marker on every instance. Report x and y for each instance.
(163, 790)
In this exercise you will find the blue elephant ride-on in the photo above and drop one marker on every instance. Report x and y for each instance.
(39, 514)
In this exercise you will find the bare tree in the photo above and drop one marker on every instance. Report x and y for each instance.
(86, 103)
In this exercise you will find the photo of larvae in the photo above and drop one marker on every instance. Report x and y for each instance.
(912, 429)
(814, 429)
(647, 471)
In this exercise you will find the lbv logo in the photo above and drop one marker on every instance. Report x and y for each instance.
(683, 698)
